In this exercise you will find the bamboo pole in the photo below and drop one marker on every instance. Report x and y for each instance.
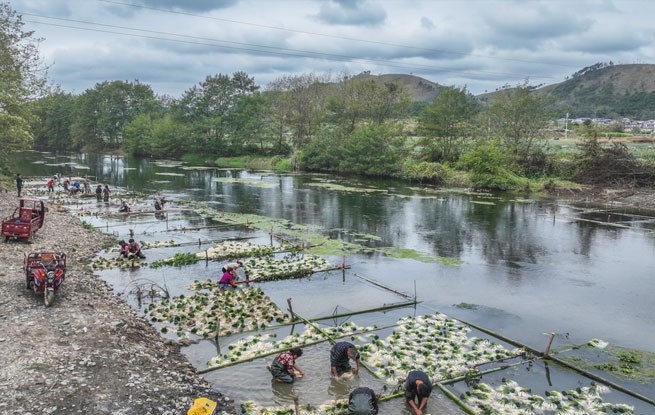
(382, 286)
(455, 399)
(332, 341)
(564, 363)
(308, 273)
(277, 351)
(332, 316)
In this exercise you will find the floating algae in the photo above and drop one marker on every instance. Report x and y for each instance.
(315, 236)
(169, 174)
(342, 188)
(467, 306)
(623, 363)
(246, 181)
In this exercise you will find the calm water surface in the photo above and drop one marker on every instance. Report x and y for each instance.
(529, 266)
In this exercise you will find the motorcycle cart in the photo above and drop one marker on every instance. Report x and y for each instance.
(45, 273)
(27, 218)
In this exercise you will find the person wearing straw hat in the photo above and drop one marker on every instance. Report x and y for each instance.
(417, 390)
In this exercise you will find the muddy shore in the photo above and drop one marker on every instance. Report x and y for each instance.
(89, 353)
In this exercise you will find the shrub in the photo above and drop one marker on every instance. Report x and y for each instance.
(487, 166)
(424, 172)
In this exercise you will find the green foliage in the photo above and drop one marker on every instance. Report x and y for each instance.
(372, 150)
(323, 152)
(354, 100)
(20, 81)
(51, 126)
(424, 172)
(282, 164)
(197, 159)
(169, 138)
(487, 166)
(446, 123)
(101, 113)
(138, 135)
(518, 117)
(231, 162)
(297, 105)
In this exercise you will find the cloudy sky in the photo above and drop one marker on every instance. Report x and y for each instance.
(482, 44)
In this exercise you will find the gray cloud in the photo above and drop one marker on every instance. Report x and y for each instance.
(531, 27)
(427, 23)
(190, 5)
(351, 13)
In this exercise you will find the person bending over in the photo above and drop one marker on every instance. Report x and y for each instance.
(284, 366)
(362, 401)
(134, 249)
(340, 356)
(417, 390)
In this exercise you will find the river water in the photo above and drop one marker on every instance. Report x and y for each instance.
(519, 266)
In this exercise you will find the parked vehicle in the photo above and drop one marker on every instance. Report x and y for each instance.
(27, 218)
(45, 273)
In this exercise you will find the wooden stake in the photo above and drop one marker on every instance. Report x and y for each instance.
(550, 342)
(293, 315)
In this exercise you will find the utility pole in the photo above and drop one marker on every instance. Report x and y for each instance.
(566, 126)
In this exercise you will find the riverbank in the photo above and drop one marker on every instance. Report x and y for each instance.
(89, 352)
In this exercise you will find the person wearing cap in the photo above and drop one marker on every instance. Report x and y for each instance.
(362, 401)
(340, 356)
(284, 366)
(417, 390)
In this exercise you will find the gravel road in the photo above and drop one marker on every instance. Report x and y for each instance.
(89, 353)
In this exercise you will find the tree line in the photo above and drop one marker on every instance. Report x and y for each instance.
(346, 125)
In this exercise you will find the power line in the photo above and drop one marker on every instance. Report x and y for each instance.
(250, 47)
(335, 36)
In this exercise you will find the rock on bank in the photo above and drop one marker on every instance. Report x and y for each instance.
(89, 353)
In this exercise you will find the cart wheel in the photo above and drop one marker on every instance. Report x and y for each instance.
(48, 298)
(28, 285)
(6, 239)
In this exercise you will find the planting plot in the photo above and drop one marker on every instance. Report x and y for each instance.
(208, 314)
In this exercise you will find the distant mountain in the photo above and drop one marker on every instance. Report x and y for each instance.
(605, 91)
(602, 90)
(419, 88)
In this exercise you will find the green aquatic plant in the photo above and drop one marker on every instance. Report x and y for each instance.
(178, 260)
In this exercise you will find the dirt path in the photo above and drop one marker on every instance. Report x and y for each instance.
(89, 353)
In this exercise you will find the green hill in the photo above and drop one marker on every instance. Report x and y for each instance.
(605, 90)
(419, 88)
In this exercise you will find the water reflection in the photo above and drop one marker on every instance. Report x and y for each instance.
(530, 266)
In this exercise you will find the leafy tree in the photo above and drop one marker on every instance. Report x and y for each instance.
(168, 138)
(518, 117)
(22, 80)
(249, 130)
(356, 99)
(206, 108)
(53, 120)
(372, 150)
(298, 104)
(323, 152)
(138, 136)
(446, 122)
(102, 112)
